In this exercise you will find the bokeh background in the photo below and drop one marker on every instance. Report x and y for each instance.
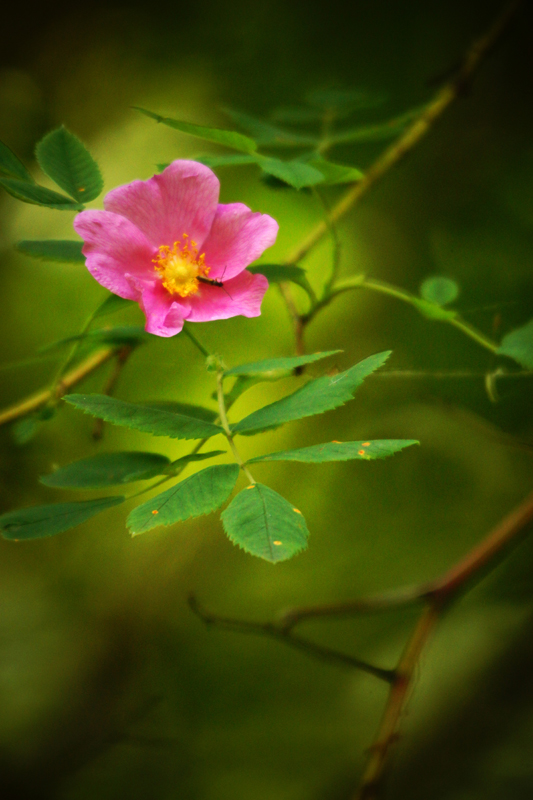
(110, 687)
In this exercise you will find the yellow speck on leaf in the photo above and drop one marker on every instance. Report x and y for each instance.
(361, 452)
(155, 511)
(81, 189)
(277, 541)
(366, 444)
(336, 441)
(251, 486)
(297, 510)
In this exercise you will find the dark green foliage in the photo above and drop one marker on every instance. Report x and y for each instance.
(67, 161)
(11, 166)
(200, 494)
(340, 451)
(286, 365)
(38, 195)
(107, 469)
(518, 344)
(264, 524)
(40, 521)
(53, 250)
(440, 290)
(232, 139)
(142, 417)
(315, 397)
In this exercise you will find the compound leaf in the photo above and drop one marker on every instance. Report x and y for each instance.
(200, 494)
(264, 524)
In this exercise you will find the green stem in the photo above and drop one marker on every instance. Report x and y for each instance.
(227, 429)
(196, 343)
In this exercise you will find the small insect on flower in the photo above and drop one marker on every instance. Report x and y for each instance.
(168, 244)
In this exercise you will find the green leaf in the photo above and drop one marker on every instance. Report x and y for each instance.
(180, 463)
(188, 409)
(440, 290)
(234, 160)
(339, 451)
(264, 524)
(433, 311)
(232, 139)
(111, 304)
(66, 160)
(314, 397)
(379, 132)
(25, 429)
(267, 134)
(41, 521)
(518, 344)
(277, 273)
(131, 335)
(61, 250)
(143, 418)
(274, 364)
(107, 469)
(336, 173)
(296, 173)
(11, 166)
(38, 195)
(200, 494)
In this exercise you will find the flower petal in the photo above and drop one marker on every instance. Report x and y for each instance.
(182, 199)
(164, 315)
(238, 236)
(114, 248)
(241, 295)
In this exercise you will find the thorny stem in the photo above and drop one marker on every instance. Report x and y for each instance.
(225, 424)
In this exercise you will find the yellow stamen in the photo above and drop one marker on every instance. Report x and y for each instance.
(180, 267)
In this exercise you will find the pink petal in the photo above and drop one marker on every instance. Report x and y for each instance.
(114, 248)
(240, 295)
(164, 315)
(238, 236)
(182, 199)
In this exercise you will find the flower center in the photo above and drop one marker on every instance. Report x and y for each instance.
(180, 267)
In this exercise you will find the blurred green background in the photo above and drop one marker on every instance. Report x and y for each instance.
(110, 687)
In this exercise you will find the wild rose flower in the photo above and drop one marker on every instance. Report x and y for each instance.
(168, 244)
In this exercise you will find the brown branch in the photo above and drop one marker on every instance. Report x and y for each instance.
(41, 398)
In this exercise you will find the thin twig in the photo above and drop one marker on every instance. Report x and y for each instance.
(275, 632)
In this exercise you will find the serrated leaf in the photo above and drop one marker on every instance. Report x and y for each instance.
(111, 304)
(274, 364)
(267, 134)
(234, 160)
(62, 250)
(233, 139)
(440, 290)
(40, 521)
(188, 409)
(131, 335)
(315, 397)
(65, 159)
(143, 418)
(39, 195)
(11, 166)
(296, 173)
(518, 344)
(264, 524)
(107, 469)
(336, 173)
(433, 311)
(339, 451)
(200, 494)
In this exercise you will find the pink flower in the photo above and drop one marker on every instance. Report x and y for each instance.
(168, 244)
